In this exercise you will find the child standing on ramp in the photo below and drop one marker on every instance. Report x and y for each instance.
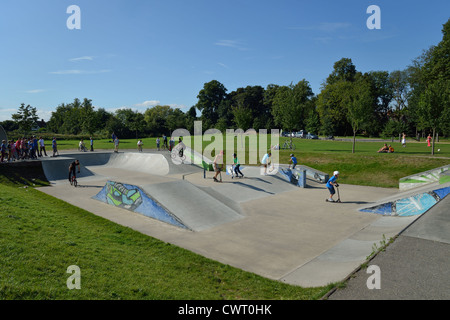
(331, 184)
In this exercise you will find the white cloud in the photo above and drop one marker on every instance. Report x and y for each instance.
(148, 103)
(5, 113)
(231, 44)
(182, 107)
(35, 91)
(82, 58)
(223, 65)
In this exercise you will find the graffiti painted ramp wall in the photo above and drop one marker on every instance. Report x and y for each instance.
(133, 198)
(412, 205)
(178, 202)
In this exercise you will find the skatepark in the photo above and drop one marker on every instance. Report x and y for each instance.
(260, 223)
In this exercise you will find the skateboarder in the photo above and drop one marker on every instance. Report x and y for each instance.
(236, 166)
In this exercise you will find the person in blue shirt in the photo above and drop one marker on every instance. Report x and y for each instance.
(331, 184)
(3, 150)
(293, 160)
(265, 161)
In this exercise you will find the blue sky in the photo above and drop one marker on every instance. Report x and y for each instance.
(139, 53)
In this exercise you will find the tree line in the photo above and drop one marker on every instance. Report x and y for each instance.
(376, 103)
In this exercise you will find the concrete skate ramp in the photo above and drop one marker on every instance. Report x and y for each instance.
(147, 163)
(3, 135)
(415, 204)
(423, 178)
(58, 169)
(133, 198)
(195, 208)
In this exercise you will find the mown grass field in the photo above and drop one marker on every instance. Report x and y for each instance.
(41, 236)
(364, 167)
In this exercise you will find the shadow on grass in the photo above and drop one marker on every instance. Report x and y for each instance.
(29, 173)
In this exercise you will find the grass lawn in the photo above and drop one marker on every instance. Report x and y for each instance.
(364, 167)
(41, 236)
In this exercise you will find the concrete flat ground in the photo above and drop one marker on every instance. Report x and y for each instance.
(284, 232)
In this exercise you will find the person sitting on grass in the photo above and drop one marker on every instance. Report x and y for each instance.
(391, 149)
(384, 149)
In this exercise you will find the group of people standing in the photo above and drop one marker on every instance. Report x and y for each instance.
(25, 149)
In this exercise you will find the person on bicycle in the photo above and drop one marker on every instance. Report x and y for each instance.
(82, 146)
(72, 168)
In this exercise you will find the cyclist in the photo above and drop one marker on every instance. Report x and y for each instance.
(82, 146)
(72, 168)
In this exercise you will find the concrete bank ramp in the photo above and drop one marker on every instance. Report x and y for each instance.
(195, 208)
(176, 202)
(147, 163)
(411, 204)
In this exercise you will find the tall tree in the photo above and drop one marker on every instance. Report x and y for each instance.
(360, 102)
(209, 100)
(332, 98)
(291, 105)
(433, 94)
(25, 118)
(343, 70)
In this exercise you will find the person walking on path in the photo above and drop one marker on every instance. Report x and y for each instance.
(3, 150)
(92, 144)
(429, 140)
(139, 145)
(158, 142)
(42, 147)
(116, 145)
(165, 146)
(403, 140)
(218, 164)
(54, 147)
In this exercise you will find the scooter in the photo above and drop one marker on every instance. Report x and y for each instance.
(339, 197)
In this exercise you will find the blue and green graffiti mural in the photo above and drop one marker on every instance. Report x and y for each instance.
(133, 198)
(410, 206)
(123, 196)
